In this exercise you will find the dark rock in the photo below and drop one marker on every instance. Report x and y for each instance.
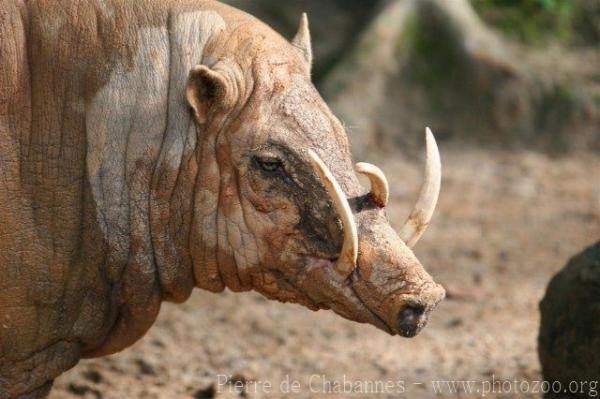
(569, 340)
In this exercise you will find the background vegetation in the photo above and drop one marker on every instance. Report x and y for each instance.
(507, 73)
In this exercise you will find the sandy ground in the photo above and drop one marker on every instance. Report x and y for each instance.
(505, 224)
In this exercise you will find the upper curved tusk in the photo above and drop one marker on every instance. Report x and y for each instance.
(380, 189)
(349, 254)
(419, 218)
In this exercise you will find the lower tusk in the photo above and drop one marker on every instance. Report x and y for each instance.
(420, 216)
(349, 254)
(380, 189)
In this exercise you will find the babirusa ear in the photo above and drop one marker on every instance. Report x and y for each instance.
(207, 89)
(302, 41)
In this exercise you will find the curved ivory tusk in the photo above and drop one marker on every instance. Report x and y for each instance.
(419, 218)
(380, 189)
(349, 254)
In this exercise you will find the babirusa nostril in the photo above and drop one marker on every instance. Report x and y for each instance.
(410, 314)
(410, 320)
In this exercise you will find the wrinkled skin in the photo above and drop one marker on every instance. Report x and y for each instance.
(150, 148)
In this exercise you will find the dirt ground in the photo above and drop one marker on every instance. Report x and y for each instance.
(506, 222)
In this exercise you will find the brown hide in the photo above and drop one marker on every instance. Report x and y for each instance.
(96, 176)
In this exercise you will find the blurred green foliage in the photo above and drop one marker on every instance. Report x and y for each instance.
(534, 22)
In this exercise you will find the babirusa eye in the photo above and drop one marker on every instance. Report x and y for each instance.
(269, 164)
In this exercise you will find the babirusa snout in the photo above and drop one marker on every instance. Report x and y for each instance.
(390, 281)
(393, 283)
